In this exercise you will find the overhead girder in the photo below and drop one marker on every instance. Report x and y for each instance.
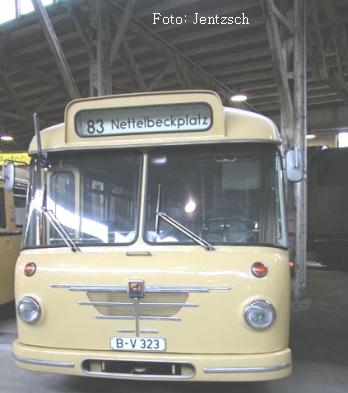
(56, 49)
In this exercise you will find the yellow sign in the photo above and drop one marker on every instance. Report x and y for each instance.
(14, 156)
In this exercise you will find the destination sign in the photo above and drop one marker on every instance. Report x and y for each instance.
(146, 119)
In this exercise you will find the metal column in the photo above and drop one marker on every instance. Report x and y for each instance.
(100, 70)
(286, 32)
(300, 124)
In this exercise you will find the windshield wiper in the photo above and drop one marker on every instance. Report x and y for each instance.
(60, 229)
(185, 231)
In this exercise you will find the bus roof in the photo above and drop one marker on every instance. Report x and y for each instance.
(129, 110)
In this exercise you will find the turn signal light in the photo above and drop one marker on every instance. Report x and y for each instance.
(259, 270)
(30, 269)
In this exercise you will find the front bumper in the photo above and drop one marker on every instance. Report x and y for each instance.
(248, 367)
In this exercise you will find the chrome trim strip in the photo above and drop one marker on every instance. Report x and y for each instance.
(138, 253)
(120, 317)
(92, 288)
(178, 289)
(148, 289)
(232, 370)
(136, 316)
(141, 304)
(145, 331)
(98, 303)
(48, 363)
(147, 304)
(140, 376)
(144, 318)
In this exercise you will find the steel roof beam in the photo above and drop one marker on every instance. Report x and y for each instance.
(130, 61)
(28, 69)
(169, 51)
(334, 75)
(56, 49)
(19, 107)
(163, 5)
(74, 15)
(10, 115)
(121, 30)
(161, 75)
(285, 20)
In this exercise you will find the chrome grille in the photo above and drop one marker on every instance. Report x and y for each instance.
(152, 304)
(157, 303)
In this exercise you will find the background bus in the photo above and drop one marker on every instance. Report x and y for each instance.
(12, 215)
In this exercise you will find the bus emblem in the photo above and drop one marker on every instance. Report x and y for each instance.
(136, 289)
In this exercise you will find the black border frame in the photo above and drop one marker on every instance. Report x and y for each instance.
(148, 132)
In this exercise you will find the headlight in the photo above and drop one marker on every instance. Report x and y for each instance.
(260, 314)
(29, 310)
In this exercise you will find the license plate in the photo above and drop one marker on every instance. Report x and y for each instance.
(138, 344)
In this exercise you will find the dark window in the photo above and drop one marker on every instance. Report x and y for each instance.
(94, 196)
(333, 165)
(225, 194)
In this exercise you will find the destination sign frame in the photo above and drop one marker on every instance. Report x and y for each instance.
(139, 120)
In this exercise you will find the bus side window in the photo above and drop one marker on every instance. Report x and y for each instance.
(19, 203)
(2, 209)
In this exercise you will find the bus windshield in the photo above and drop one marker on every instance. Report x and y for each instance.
(205, 195)
(225, 194)
(94, 196)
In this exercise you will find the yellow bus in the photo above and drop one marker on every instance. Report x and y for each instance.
(156, 243)
(12, 214)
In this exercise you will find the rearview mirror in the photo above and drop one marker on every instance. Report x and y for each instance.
(294, 164)
(9, 175)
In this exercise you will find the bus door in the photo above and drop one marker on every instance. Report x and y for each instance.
(9, 244)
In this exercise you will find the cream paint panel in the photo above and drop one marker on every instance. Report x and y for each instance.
(9, 249)
(218, 319)
(243, 125)
(229, 124)
(198, 361)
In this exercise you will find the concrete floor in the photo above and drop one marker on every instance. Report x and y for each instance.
(318, 339)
